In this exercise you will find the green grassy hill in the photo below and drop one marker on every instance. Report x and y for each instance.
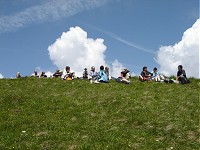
(55, 114)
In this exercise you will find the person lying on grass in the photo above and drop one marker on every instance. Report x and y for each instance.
(145, 75)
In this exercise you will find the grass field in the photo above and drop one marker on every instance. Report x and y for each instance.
(55, 114)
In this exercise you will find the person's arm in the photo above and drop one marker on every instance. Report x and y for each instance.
(142, 74)
(149, 74)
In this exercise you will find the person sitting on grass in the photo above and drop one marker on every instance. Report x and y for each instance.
(102, 75)
(93, 75)
(145, 75)
(125, 76)
(43, 75)
(85, 74)
(57, 74)
(35, 74)
(155, 75)
(108, 73)
(18, 75)
(181, 75)
(67, 74)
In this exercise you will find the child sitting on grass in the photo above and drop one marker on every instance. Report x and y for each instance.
(155, 75)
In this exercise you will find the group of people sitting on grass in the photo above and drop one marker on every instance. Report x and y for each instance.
(103, 76)
(181, 77)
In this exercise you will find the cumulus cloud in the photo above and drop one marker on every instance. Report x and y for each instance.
(50, 10)
(78, 51)
(116, 68)
(185, 52)
(1, 76)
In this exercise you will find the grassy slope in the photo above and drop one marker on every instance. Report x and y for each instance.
(58, 114)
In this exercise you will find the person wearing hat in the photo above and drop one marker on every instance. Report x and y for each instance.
(125, 76)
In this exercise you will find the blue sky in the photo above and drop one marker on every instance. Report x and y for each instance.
(133, 30)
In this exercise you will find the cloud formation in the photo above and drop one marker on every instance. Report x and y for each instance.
(118, 38)
(49, 11)
(116, 68)
(76, 50)
(1, 76)
(185, 52)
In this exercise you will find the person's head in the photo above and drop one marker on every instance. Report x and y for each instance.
(35, 72)
(92, 68)
(18, 75)
(67, 68)
(144, 68)
(43, 73)
(180, 67)
(85, 69)
(155, 69)
(102, 67)
(107, 69)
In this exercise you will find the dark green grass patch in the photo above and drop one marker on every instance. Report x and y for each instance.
(56, 114)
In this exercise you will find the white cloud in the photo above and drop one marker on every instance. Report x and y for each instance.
(116, 68)
(78, 51)
(1, 76)
(49, 11)
(185, 52)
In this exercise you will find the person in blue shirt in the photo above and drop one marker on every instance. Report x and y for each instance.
(155, 75)
(102, 75)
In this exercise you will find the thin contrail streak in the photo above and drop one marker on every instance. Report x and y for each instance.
(116, 37)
